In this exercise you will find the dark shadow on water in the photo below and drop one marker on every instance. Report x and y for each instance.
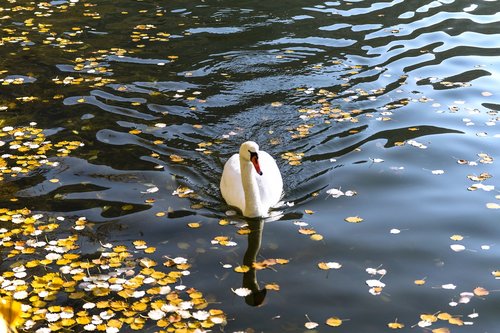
(392, 136)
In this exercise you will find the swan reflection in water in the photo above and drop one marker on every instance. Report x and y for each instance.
(257, 295)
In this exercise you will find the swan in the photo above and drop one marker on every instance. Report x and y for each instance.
(251, 181)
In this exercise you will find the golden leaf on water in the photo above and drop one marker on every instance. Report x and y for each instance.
(308, 211)
(146, 262)
(428, 317)
(419, 282)
(334, 321)
(353, 219)
(272, 286)
(139, 244)
(77, 295)
(307, 231)
(329, 265)
(316, 237)
(223, 222)
(444, 316)
(282, 261)
(150, 249)
(395, 325)
(139, 306)
(176, 158)
(456, 321)
(457, 237)
(241, 269)
(480, 291)
(83, 320)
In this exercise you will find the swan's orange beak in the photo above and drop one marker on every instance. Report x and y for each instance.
(254, 158)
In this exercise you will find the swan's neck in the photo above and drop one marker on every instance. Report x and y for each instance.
(252, 196)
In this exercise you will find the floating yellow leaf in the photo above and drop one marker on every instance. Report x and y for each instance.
(272, 286)
(457, 237)
(419, 282)
(456, 321)
(176, 158)
(395, 325)
(244, 231)
(223, 222)
(241, 269)
(150, 250)
(444, 316)
(428, 317)
(334, 321)
(307, 231)
(317, 237)
(353, 219)
(308, 211)
(282, 261)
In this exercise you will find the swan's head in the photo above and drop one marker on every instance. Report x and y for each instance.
(249, 151)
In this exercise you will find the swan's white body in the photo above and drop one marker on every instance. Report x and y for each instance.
(243, 187)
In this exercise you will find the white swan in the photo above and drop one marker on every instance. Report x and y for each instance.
(251, 181)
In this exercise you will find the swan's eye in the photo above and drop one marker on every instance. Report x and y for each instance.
(253, 155)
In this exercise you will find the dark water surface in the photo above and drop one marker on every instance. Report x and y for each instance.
(384, 98)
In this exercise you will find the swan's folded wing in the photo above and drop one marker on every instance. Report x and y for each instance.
(230, 184)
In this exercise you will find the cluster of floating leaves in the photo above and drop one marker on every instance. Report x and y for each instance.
(29, 149)
(293, 158)
(480, 179)
(104, 291)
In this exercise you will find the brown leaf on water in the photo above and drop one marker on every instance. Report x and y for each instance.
(480, 291)
(307, 231)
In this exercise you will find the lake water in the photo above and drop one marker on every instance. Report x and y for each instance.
(382, 110)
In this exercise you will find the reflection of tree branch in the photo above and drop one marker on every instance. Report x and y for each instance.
(257, 296)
